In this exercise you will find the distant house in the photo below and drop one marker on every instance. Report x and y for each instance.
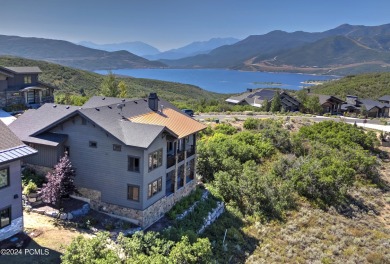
(371, 107)
(12, 150)
(20, 85)
(133, 158)
(329, 103)
(385, 99)
(257, 97)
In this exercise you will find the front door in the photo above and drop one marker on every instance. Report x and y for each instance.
(31, 97)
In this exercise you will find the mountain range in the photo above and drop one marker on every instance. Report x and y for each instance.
(343, 50)
(149, 52)
(70, 54)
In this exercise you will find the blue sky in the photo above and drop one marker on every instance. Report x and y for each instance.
(168, 24)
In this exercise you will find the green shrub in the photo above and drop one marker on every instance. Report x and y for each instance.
(30, 188)
(30, 175)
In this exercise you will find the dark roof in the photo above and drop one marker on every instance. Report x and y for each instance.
(325, 98)
(20, 70)
(384, 98)
(99, 101)
(11, 147)
(34, 121)
(33, 125)
(370, 104)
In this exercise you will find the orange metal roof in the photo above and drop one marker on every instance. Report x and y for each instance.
(177, 122)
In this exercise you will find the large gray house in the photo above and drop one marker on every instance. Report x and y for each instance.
(20, 86)
(133, 158)
(257, 98)
(12, 150)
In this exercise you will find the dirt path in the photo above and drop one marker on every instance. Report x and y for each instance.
(385, 173)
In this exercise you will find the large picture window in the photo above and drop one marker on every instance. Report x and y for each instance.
(5, 217)
(154, 187)
(155, 159)
(4, 177)
(133, 193)
(27, 79)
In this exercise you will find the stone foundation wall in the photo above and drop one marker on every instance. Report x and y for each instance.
(143, 218)
(15, 227)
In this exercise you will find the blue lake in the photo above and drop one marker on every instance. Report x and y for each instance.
(224, 81)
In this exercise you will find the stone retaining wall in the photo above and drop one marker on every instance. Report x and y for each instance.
(15, 227)
(143, 218)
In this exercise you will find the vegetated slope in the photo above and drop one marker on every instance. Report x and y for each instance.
(70, 80)
(231, 55)
(69, 54)
(330, 52)
(369, 85)
(363, 48)
(136, 47)
(192, 49)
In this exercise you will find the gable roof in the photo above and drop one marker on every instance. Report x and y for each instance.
(325, 98)
(19, 70)
(370, 104)
(116, 119)
(34, 121)
(260, 94)
(384, 98)
(11, 147)
(99, 101)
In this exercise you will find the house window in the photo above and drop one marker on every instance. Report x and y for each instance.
(93, 144)
(154, 187)
(5, 217)
(133, 192)
(155, 159)
(116, 147)
(133, 164)
(67, 150)
(27, 79)
(4, 177)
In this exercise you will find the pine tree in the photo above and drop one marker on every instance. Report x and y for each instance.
(276, 104)
(109, 86)
(60, 182)
(122, 87)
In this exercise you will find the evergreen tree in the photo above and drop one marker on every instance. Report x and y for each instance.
(266, 106)
(312, 105)
(60, 182)
(276, 104)
(122, 87)
(109, 86)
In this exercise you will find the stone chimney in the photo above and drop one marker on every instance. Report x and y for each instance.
(153, 101)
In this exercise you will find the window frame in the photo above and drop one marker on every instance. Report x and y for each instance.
(155, 160)
(9, 208)
(27, 79)
(132, 186)
(158, 187)
(133, 158)
(8, 177)
(117, 147)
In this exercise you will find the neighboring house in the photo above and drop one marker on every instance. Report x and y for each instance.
(12, 150)
(385, 99)
(133, 158)
(20, 85)
(256, 98)
(330, 104)
(372, 108)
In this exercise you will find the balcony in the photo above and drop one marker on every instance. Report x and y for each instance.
(190, 151)
(171, 160)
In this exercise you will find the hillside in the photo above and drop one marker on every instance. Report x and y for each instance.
(192, 49)
(343, 50)
(70, 80)
(369, 85)
(136, 47)
(69, 54)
